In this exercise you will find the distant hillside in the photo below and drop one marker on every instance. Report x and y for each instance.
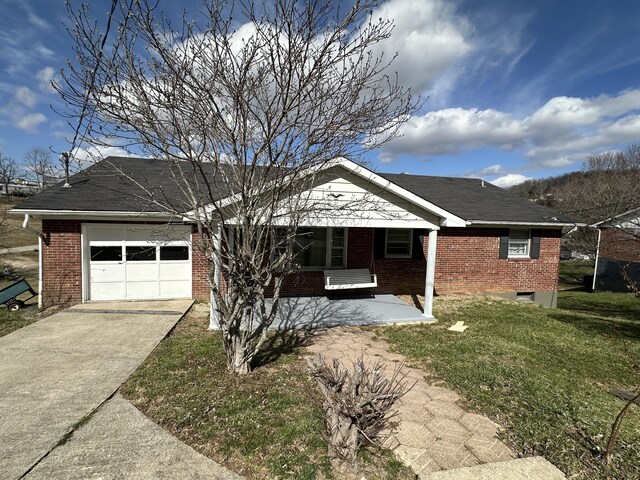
(549, 191)
(584, 196)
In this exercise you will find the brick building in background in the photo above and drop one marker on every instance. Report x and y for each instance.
(618, 258)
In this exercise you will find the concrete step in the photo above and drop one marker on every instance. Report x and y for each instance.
(530, 468)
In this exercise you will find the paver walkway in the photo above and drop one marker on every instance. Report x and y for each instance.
(434, 432)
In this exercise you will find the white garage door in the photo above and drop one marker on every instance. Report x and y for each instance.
(136, 262)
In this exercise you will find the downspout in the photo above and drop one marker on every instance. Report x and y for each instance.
(25, 225)
(595, 266)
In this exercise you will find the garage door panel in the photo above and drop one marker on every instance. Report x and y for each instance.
(107, 291)
(175, 271)
(104, 272)
(137, 271)
(175, 289)
(142, 290)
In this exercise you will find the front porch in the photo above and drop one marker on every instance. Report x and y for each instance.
(325, 312)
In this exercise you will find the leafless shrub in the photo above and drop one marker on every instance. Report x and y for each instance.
(357, 404)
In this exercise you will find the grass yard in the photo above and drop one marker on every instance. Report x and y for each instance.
(265, 425)
(544, 374)
(572, 273)
(13, 235)
(11, 321)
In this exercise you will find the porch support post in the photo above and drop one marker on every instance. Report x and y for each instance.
(213, 307)
(431, 273)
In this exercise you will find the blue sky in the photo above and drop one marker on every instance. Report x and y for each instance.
(515, 89)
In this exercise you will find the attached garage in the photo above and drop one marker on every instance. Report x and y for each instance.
(136, 261)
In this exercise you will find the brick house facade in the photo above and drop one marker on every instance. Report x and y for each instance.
(456, 270)
(102, 240)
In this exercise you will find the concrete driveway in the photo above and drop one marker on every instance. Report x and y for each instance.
(55, 372)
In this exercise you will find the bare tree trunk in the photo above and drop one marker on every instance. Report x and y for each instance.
(615, 428)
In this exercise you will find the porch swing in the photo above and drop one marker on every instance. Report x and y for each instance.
(351, 278)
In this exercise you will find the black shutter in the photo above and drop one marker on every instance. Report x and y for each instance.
(535, 244)
(417, 252)
(504, 243)
(379, 237)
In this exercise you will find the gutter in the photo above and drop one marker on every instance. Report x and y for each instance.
(525, 224)
(87, 214)
(25, 225)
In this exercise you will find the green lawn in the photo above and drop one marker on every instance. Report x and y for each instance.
(10, 321)
(572, 273)
(544, 374)
(266, 425)
(13, 235)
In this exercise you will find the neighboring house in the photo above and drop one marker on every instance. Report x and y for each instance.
(457, 234)
(20, 188)
(618, 257)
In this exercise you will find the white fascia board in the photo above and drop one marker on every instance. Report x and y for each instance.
(624, 214)
(488, 223)
(93, 215)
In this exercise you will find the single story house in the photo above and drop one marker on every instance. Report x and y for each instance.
(618, 254)
(454, 235)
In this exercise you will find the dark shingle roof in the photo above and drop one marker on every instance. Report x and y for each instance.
(148, 186)
(472, 199)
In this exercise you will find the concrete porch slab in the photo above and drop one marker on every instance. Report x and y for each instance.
(324, 312)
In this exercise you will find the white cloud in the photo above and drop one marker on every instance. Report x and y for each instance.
(44, 78)
(26, 97)
(428, 36)
(29, 123)
(561, 132)
(509, 180)
(453, 130)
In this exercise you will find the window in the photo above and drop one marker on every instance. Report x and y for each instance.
(174, 253)
(141, 254)
(106, 254)
(321, 247)
(519, 243)
(398, 243)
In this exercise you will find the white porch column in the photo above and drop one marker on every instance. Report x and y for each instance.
(213, 308)
(431, 273)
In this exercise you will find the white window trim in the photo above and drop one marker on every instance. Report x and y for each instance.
(527, 254)
(386, 241)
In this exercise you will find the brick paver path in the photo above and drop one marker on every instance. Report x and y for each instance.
(434, 432)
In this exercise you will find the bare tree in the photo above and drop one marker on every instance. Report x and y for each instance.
(38, 162)
(254, 114)
(8, 171)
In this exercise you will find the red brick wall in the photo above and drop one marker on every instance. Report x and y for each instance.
(467, 262)
(620, 244)
(200, 266)
(61, 262)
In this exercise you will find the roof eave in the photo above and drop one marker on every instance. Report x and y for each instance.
(94, 214)
(525, 224)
